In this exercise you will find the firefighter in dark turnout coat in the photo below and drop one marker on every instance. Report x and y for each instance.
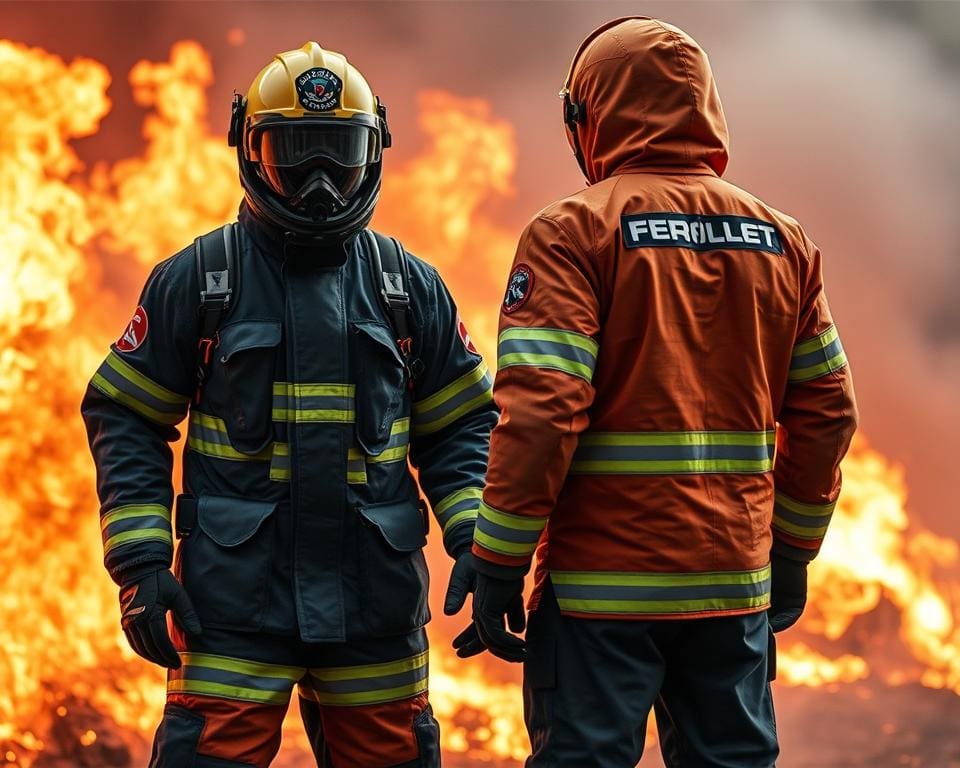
(301, 527)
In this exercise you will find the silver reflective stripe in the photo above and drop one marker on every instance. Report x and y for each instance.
(566, 351)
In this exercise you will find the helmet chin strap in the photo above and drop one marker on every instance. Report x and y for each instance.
(318, 193)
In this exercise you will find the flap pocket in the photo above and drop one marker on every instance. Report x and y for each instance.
(247, 334)
(230, 521)
(381, 380)
(401, 523)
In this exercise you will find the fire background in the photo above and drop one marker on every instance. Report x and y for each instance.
(113, 156)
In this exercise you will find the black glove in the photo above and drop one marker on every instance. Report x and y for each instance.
(788, 592)
(492, 599)
(144, 603)
(463, 580)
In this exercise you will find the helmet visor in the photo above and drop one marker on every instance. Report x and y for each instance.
(294, 142)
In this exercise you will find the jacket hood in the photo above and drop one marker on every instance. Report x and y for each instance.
(650, 101)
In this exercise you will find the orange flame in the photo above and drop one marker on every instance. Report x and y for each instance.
(68, 681)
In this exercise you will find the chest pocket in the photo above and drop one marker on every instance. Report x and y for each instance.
(381, 386)
(247, 358)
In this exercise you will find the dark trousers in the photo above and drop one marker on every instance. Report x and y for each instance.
(589, 686)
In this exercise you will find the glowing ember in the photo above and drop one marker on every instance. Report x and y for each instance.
(68, 681)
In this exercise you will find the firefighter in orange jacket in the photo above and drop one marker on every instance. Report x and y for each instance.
(663, 334)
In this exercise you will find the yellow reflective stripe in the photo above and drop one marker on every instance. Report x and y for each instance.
(813, 533)
(391, 454)
(331, 674)
(801, 508)
(571, 338)
(147, 534)
(625, 579)
(458, 385)
(662, 606)
(111, 391)
(512, 548)
(253, 668)
(459, 517)
(812, 372)
(221, 451)
(661, 593)
(505, 519)
(455, 498)
(444, 407)
(554, 362)
(317, 390)
(207, 688)
(315, 414)
(128, 511)
(279, 464)
(148, 385)
(369, 697)
(820, 341)
(689, 466)
(766, 437)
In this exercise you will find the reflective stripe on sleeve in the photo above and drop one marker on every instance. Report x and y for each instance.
(805, 521)
(669, 453)
(816, 357)
(471, 391)
(208, 435)
(135, 522)
(460, 506)
(229, 678)
(565, 351)
(368, 684)
(506, 534)
(313, 402)
(123, 383)
(660, 593)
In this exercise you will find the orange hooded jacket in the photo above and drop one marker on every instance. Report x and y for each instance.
(663, 334)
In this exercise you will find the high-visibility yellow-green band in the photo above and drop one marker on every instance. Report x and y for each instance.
(821, 341)
(706, 466)
(546, 361)
(512, 548)
(460, 517)
(146, 534)
(661, 606)
(148, 385)
(507, 520)
(111, 391)
(383, 669)
(252, 668)
(128, 511)
(370, 697)
(221, 690)
(455, 498)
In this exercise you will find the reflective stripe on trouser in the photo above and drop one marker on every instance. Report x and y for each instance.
(471, 391)
(818, 356)
(566, 351)
(120, 381)
(669, 453)
(661, 594)
(396, 449)
(224, 706)
(710, 676)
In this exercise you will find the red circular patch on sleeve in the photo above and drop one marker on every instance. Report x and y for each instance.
(465, 336)
(518, 289)
(136, 332)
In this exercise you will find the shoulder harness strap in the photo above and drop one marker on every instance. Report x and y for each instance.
(216, 255)
(391, 275)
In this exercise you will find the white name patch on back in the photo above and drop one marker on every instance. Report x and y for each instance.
(699, 232)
